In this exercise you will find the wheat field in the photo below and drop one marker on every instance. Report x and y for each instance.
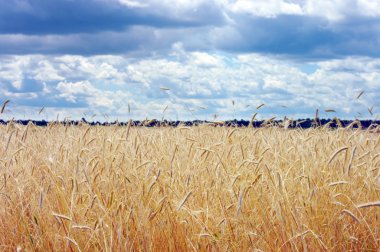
(96, 188)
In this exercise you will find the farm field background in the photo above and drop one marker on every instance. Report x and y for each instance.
(115, 188)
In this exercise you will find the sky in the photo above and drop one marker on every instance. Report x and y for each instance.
(108, 60)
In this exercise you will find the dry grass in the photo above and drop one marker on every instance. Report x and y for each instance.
(81, 188)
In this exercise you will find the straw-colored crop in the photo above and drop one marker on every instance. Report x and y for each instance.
(206, 188)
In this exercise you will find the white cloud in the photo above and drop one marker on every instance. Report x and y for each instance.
(203, 59)
(369, 7)
(265, 8)
(273, 82)
(70, 90)
(333, 10)
(45, 71)
(336, 10)
(17, 84)
(134, 4)
(108, 84)
(13, 67)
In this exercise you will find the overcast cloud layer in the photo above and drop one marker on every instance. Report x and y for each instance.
(107, 59)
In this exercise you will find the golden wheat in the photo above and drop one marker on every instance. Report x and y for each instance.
(81, 188)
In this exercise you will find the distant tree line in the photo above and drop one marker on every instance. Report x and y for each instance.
(299, 123)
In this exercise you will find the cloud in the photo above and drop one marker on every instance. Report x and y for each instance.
(300, 36)
(201, 85)
(40, 17)
(71, 90)
(106, 56)
(265, 8)
(339, 10)
(302, 29)
(331, 10)
(133, 4)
